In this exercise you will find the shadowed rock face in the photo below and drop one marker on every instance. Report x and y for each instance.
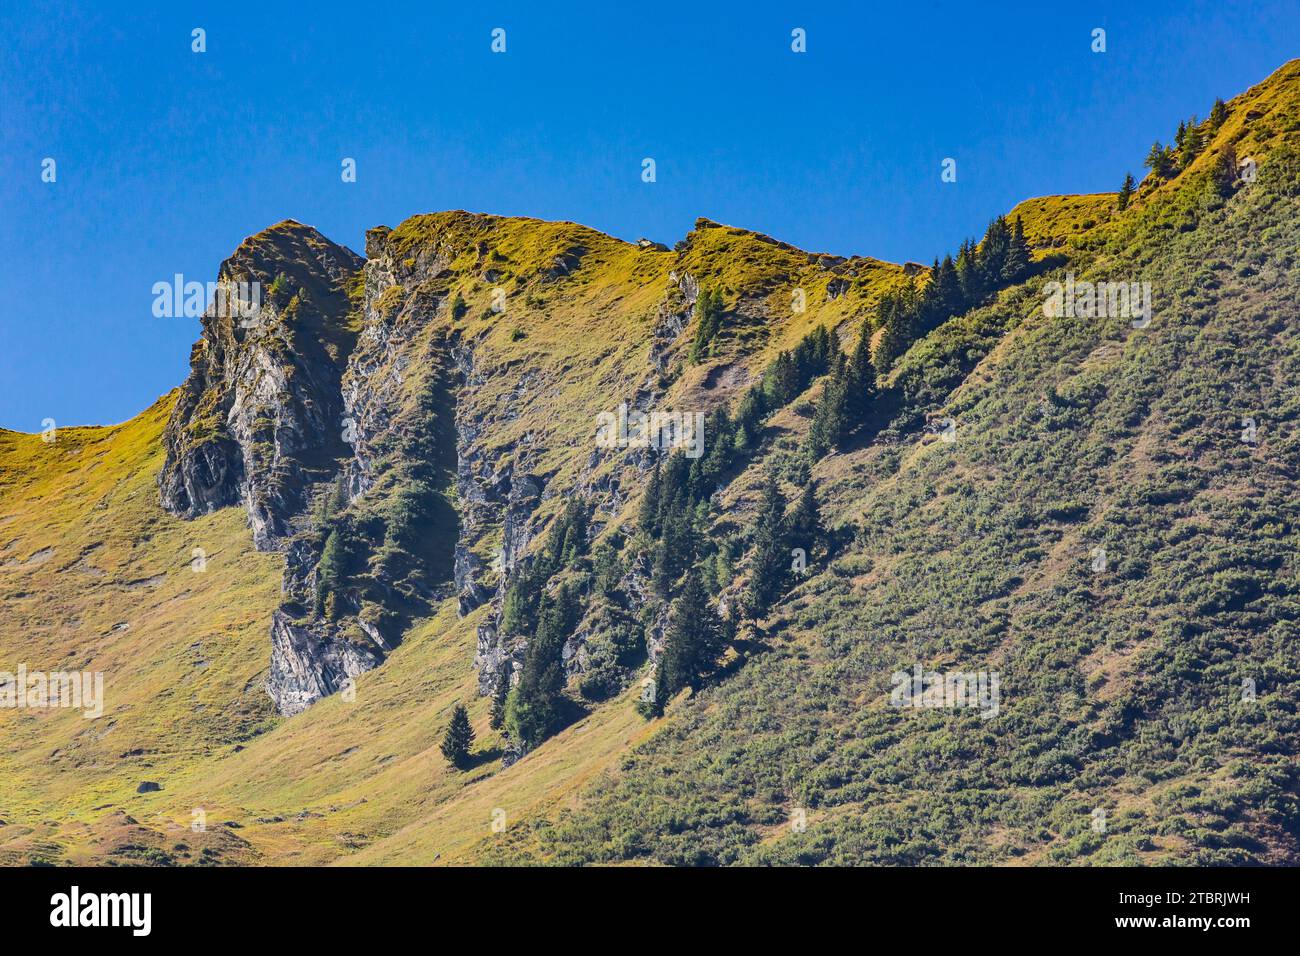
(325, 418)
(368, 395)
(260, 422)
(309, 662)
(260, 415)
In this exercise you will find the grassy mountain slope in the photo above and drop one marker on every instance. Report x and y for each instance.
(1121, 688)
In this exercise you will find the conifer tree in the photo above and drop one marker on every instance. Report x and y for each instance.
(459, 738)
(1218, 113)
(719, 434)
(708, 310)
(770, 564)
(648, 519)
(777, 380)
(1192, 144)
(859, 384)
(993, 252)
(1160, 160)
(608, 569)
(1126, 191)
(805, 522)
(899, 320)
(536, 706)
(330, 570)
(694, 641)
(499, 694)
(1018, 254)
(969, 274)
(944, 293)
(1224, 174)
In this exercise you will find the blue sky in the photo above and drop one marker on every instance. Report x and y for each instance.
(166, 158)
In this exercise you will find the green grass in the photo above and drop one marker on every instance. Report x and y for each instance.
(1121, 691)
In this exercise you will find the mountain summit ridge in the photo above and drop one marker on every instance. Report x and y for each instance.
(395, 473)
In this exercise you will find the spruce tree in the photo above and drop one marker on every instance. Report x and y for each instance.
(771, 561)
(1126, 191)
(608, 569)
(648, 519)
(330, 569)
(861, 380)
(969, 274)
(1160, 160)
(499, 694)
(1018, 254)
(805, 524)
(719, 433)
(993, 252)
(828, 424)
(694, 641)
(1192, 144)
(1224, 173)
(1218, 113)
(459, 738)
(708, 310)
(944, 292)
(537, 706)
(899, 319)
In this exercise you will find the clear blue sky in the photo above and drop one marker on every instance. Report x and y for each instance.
(167, 158)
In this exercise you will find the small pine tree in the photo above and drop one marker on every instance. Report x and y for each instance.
(1126, 191)
(970, 273)
(1218, 114)
(1192, 144)
(535, 709)
(860, 381)
(993, 251)
(329, 573)
(899, 333)
(944, 292)
(694, 641)
(1160, 160)
(648, 519)
(770, 565)
(1018, 255)
(1224, 174)
(708, 309)
(828, 424)
(499, 694)
(805, 523)
(280, 291)
(459, 737)
(608, 569)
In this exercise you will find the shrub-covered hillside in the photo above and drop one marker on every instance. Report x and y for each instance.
(466, 626)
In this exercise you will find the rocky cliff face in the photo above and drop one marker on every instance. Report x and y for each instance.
(259, 418)
(405, 428)
(293, 412)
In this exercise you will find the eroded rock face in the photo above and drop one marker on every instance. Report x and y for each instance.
(311, 661)
(261, 421)
(259, 416)
(357, 407)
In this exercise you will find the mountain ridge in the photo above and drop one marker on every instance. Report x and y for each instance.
(1123, 691)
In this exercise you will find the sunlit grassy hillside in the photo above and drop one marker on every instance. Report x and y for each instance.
(1124, 683)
